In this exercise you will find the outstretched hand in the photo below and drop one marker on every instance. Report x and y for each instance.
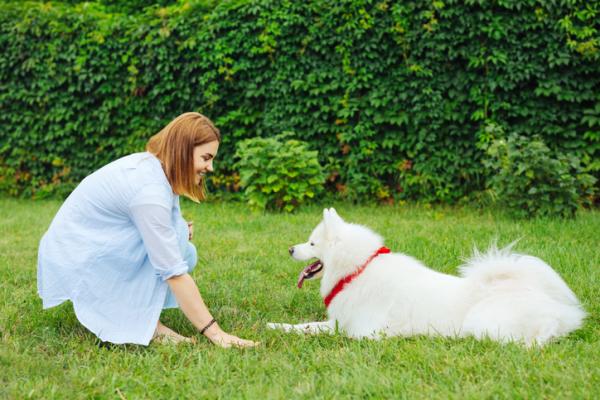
(225, 340)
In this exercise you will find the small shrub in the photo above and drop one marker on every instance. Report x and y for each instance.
(278, 173)
(530, 181)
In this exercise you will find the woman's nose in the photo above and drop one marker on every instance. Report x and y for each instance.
(210, 166)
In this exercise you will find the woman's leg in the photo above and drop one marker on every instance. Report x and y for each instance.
(191, 256)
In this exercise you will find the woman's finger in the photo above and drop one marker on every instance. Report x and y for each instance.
(190, 229)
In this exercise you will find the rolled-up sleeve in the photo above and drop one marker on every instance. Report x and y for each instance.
(160, 240)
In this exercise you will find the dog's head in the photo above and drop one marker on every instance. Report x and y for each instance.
(334, 239)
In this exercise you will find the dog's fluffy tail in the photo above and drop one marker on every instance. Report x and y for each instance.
(498, 266)
(541, 304)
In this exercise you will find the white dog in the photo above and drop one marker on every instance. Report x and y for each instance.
(370, 292)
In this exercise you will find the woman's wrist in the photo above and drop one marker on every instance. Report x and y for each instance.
(212, 331)
(208, 325)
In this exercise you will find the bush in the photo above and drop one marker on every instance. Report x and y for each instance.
(394, 94)
(529, 181)
(278, 173)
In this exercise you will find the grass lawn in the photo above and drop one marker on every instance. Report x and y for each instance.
(247, 279)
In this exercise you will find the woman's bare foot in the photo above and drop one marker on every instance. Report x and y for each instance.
(165, 335)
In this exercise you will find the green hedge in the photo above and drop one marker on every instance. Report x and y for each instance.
(396, 96)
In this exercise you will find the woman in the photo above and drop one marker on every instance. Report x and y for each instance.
(118, 247)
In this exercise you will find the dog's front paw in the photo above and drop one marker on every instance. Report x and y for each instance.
(279, 326)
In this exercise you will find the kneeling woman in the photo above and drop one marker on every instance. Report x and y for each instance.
(118, 247)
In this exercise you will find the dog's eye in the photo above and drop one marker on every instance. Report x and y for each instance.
(312, 243)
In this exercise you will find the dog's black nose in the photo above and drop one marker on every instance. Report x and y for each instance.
(291, 250)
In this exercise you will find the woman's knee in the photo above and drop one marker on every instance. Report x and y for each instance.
(191, 257)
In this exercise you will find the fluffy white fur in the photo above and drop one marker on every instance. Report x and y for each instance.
(499, 294)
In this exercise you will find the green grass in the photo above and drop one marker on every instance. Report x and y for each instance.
(247, 279)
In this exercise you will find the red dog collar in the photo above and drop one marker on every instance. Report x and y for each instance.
(349, 278)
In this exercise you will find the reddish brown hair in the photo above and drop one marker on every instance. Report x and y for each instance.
(174, 147)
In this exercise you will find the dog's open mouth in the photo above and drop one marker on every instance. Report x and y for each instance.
(309, 271)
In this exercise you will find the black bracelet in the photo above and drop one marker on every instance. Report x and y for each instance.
(207, 326)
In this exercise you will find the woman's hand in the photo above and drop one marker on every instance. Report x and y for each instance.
(216, 335)
(190, 229)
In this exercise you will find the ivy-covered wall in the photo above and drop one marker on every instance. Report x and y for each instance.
(399, 97)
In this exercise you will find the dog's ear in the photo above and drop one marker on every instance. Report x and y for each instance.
(328, 221)
(334, 214)
(334, 217)
(331, 220)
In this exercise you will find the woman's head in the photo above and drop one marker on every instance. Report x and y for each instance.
(186, 148)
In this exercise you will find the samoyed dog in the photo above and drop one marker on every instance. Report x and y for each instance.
(371, 292)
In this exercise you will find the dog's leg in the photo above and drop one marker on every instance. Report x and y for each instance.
(308, 328)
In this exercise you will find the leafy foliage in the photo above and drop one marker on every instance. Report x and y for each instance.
(395, 95)
(278, 172)
(529, 181)
(123, 6)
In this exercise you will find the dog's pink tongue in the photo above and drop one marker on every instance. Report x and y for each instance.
(301, 279)
(305, 272)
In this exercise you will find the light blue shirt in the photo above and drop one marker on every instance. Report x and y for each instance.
(111, 247)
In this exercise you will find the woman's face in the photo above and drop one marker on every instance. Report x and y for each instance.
(204, 155)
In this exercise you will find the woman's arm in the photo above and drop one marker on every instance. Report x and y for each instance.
(188, 296)
(161, 242)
